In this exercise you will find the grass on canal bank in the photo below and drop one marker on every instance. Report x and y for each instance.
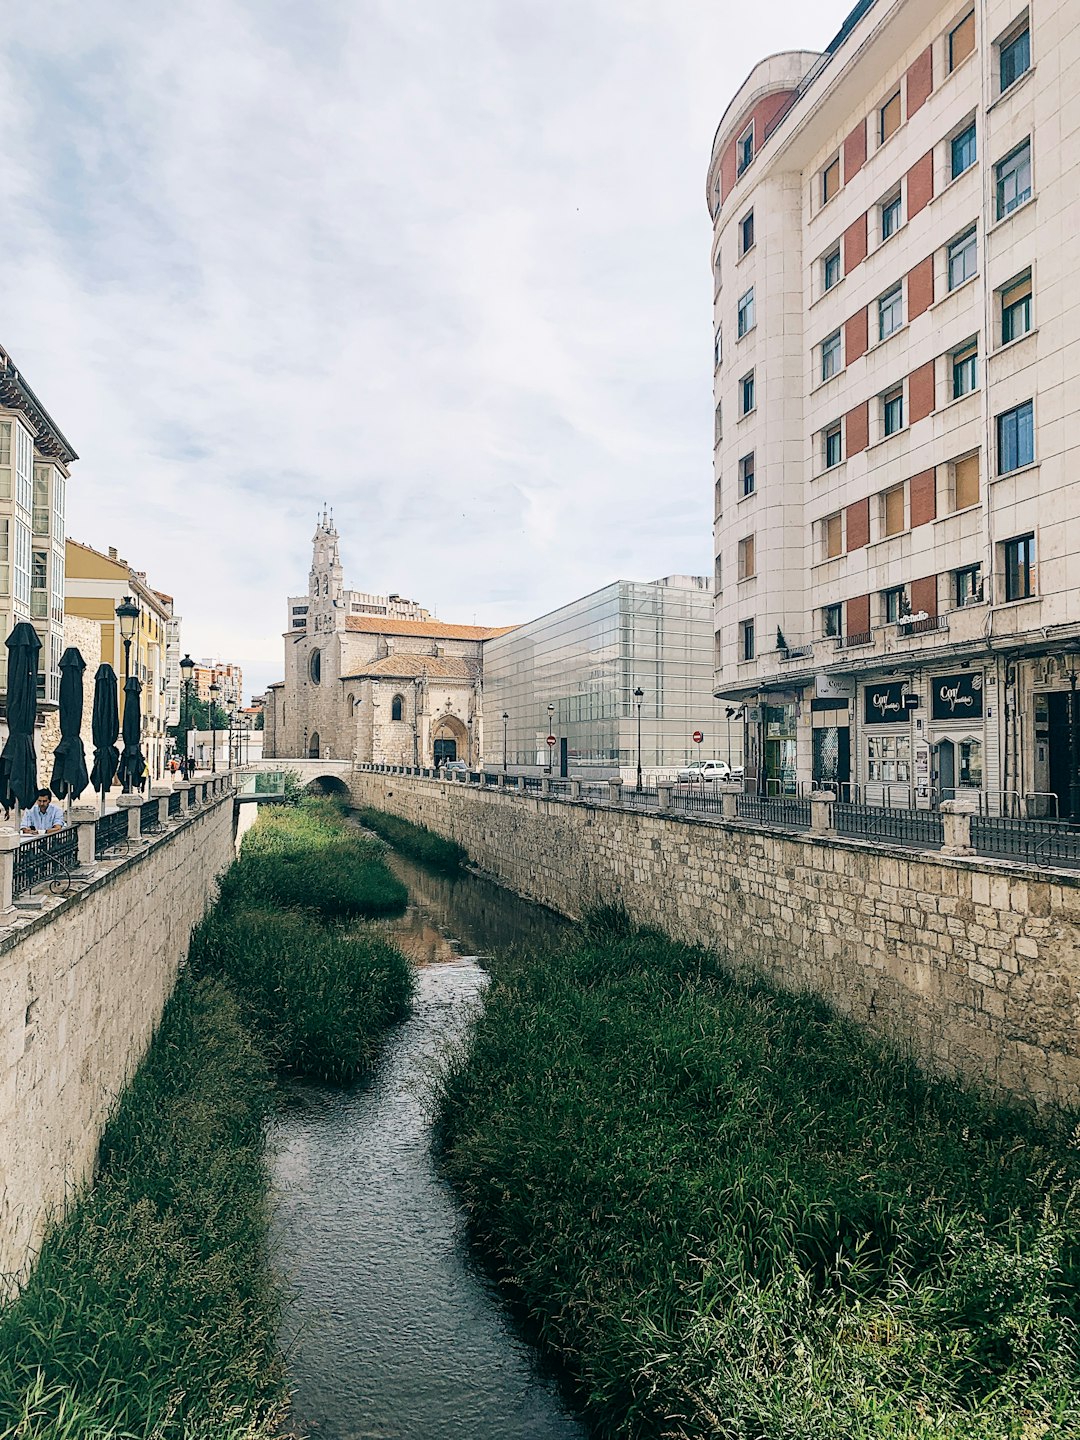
(414, 840)
(737, 1216)
(151, 1311)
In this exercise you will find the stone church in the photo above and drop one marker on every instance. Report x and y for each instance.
(374, 678)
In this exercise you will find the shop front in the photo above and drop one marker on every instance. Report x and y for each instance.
(957, 738)
(887, 743)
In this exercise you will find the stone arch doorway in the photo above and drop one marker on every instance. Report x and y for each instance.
(449, 740)
(313, 746)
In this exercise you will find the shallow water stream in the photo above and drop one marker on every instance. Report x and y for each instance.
(394, 1334)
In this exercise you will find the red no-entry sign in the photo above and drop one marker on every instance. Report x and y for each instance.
(698, 737)
(551, 740)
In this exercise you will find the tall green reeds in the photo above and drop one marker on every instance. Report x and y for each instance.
(738, 1217)
(414, 840)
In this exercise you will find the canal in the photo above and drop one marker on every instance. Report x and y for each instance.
(394, 1334)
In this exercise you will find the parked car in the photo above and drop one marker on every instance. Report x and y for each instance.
(708, 770)
(453, 766)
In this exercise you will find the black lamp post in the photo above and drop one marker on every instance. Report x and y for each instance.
(506, 719)
(215, 691)
(1074, 758)
(550, 748)
(639, 696)
(187, 665)
(127, 612)
(231, 707)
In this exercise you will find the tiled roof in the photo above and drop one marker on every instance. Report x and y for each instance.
(432, 629)
(404, 666)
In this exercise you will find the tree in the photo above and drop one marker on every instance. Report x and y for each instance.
(260, 721)
(197, 714)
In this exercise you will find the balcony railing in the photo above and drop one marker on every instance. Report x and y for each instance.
(50, 857)
(850, 642)
(796, 652)
(922, 625)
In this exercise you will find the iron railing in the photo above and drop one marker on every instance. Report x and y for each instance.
(1035, 842)
(174, 803)
(789, 810)
(111, 830)
(698, 800)
(921, 828)
(48, 857)
(923, 626)
(643, 799)
(149, 817)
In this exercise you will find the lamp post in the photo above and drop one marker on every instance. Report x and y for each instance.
(1074, 759)
(231, 708)
(729, 712)
(639, 696)
(187, 665)
(550, 748)
(127, 612)
(215, 691)
(505, 720)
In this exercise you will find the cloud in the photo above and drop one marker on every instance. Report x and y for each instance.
(443, 265)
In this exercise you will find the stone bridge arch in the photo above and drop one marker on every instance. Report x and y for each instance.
(330, 785)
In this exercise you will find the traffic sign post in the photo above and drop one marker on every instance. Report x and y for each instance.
(550, 740)
(697, 737)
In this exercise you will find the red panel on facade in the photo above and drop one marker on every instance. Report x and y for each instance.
(921, 392)
(920, 287)
(858, 525)
(920, 184)
(763, 114)
(920, 81)
(858, 615)
(857, 429)
(924, 595)
(854, 244)
(923, 497)
(855, 151)
(855, 333)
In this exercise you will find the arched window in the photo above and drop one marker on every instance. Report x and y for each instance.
(313, 746)
(315, 666)
(397, 708)
(352, 706)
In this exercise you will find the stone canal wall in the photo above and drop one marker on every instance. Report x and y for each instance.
(973, 963)
(82, 987)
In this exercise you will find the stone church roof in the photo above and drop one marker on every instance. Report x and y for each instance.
(406, 667)
(433, 629)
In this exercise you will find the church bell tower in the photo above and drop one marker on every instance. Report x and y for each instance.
(326, 586)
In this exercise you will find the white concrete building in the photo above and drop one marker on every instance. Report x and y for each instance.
(897, 531)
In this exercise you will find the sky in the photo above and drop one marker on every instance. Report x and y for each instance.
(443, 266)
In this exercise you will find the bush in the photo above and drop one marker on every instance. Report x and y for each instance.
(152, 1309)
(320, 998)
(736, 1215)
(422, 844)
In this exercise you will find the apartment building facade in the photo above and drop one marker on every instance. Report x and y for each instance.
(897, 506)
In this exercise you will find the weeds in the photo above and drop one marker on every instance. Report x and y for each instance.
(415, 840)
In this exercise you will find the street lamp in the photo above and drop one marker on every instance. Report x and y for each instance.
(639, 696)
(127, 612)
(231, 707)
(550, 748)
(215, 691)
(187, 665)
(506, 719)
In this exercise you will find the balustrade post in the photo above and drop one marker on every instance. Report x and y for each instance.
(545, 785)
(83, 819)
(183, 787)
(615, 791)
(663, 794)
(821, 811)
(9, 843)
(729, 801)
(956, 827)
(161, 794)
(522, 787)
(132, 804)
(575, 789)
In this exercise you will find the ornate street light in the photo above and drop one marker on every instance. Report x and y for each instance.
(215, 691)
(127, 612)
(639, 696)
(551, 748)
(505, 719)
(187, 665)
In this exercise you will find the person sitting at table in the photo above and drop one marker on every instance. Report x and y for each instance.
(44, 817)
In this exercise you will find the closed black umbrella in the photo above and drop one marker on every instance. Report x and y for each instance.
(18, 761)
(132, 761)
(69, 777)
(106, 728)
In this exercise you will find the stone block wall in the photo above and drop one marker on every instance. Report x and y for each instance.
(82, 988)
(973, 963)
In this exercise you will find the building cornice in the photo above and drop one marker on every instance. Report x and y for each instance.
(16, 394)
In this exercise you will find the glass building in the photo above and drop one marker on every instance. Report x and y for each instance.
(573, 673)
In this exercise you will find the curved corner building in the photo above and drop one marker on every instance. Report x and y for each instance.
(897, 497)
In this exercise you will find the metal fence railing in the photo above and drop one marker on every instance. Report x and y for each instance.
(111, 830)
(1035, 842)
(149, 817)
(698, 800)
(174, 803)
(47, 858)
(790, 810)
(921, 828)
(643, 799)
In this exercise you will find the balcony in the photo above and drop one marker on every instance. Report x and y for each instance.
(852, 642)
(921, 624)
(796, 652)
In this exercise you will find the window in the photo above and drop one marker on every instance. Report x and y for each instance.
(5, 555)
(5, 459)
(892, 406)
(963, 256)
(1020, 567)
(964, 370)
(717, 572)
(890, 313)
(962, 151)
(833, 535)
(892, 511)
(718, 500)
(894, 604)
(746, 475)
(41, 500)
(39, 585)
(970, 771)
(889, 758)
(831, 269)
(315, 667)
(889, 117)
(718, 347)
(961, 40)
(746, 313)
(747, 567)
(1016, 438)
(746, 393)
(1012, 178)
(890, 216)
(1016, 309)
(716, 267)
(832, 621)
(966, 482)
(967, 585)
(745, 150)
(830, 356)
(397, 708)
(1014, 55)
(746, 232)
(746, 640)
(718, 424)
(834, 445)
(830, 180)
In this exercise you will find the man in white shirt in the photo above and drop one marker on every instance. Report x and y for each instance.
(44, 817)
